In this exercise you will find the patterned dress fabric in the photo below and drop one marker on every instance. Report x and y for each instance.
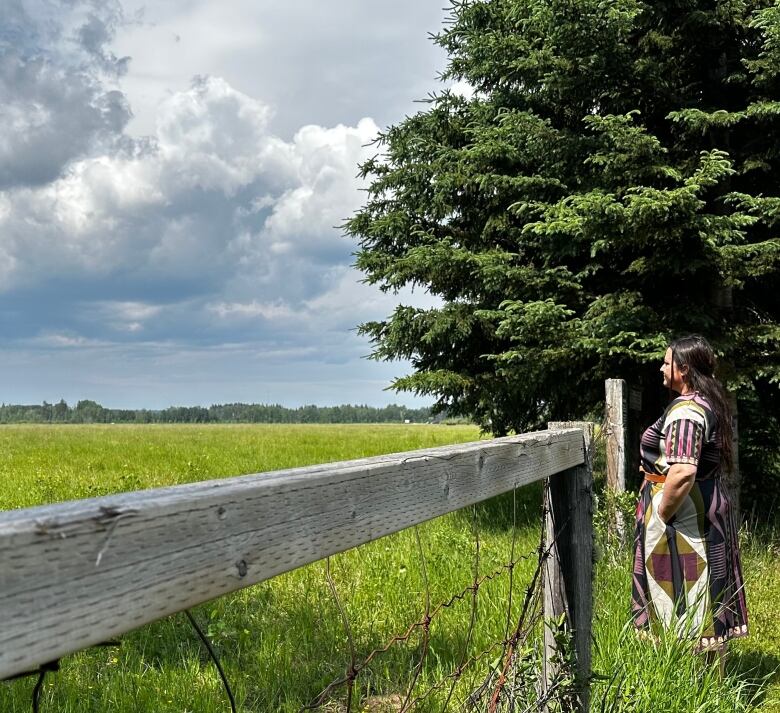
(687, 572)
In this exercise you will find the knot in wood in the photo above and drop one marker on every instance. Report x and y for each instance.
(242, 568)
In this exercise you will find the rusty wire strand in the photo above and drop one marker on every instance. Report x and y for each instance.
(511, 559)
(531, 596)
(475, 696)
(473, 617)
(402, 638)
(497, 693)
(529, 617)
(533, 589)
(537, 585)
(426, 628)
(454, 676)
(424, 571)
(353, 669)
(521, 632)
(511, 592)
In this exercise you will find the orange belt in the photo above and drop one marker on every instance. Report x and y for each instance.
(652, 477)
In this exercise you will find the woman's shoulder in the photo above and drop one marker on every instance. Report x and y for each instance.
(690, 407)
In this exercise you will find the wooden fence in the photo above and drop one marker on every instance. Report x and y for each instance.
(78, 573)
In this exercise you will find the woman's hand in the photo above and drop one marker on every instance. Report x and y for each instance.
(679, 481)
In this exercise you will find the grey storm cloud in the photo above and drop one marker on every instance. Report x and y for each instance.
(54, 106)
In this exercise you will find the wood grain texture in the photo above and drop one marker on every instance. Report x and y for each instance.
(78, 573)
(616, 433)
(568, 574)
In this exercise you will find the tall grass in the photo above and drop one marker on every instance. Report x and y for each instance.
(44, 464)
(281, 642)
(642, 675)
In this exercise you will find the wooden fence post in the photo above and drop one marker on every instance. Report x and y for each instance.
(616, 432)
(568, 572)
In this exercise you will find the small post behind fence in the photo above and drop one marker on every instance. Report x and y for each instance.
(616, 432)
(568, 573)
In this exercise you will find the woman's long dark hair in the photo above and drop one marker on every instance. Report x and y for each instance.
(695, 353)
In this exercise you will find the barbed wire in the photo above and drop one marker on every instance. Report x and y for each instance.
(528, 620)
(426, 627)
(473, 614)
(422, 623)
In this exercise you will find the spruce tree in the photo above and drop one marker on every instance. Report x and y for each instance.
(612, 182)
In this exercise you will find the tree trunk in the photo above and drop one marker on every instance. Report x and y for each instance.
(733, 480)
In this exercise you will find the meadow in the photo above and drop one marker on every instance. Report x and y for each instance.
(281, 642)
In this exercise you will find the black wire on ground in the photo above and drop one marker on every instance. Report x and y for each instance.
(36, 694)
(214, 658)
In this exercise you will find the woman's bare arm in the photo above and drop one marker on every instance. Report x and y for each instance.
(679, 481)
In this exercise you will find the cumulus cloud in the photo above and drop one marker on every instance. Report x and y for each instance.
(56, 105)
(214, 215)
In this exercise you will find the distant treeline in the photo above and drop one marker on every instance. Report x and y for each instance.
(93, 412)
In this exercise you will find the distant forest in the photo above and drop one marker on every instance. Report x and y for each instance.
(93, 412)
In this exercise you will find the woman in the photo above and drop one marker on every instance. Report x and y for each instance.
(687, 571)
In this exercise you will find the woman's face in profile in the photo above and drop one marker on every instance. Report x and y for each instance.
(671, 380)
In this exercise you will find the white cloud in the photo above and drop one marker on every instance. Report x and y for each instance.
(243, 310)
(462, 89)
(124, 316)
(66, 341)
(338, 310)
(211, 137)
(349, 301)
(206, 233)
(214, 194)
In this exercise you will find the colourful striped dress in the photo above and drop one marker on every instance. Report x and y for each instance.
(687, 572)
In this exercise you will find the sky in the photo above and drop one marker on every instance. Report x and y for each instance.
(172, 179)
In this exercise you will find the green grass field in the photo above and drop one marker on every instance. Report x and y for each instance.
(282, 641)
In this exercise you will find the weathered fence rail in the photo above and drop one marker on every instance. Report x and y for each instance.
(78, 573)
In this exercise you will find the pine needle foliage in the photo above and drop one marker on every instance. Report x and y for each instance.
(610, 181)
